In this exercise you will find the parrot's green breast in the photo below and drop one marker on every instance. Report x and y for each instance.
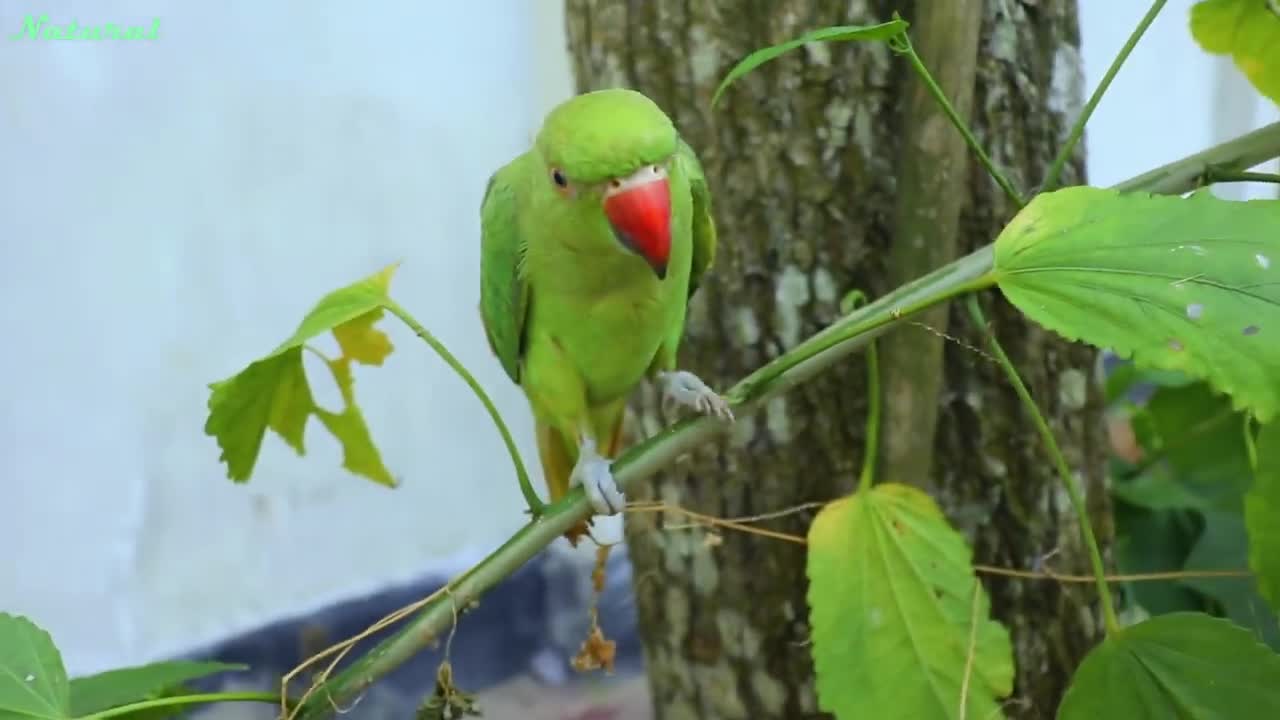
(608, 312)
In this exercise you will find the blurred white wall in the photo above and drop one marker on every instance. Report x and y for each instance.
(1169, 100)
(170, 209)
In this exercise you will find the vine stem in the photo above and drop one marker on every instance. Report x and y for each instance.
(872, 445)
(802, 362)
(176, 700)
(873, 420)
(536, 506)
(901, 44)
(1046, 434)
(1077, 128)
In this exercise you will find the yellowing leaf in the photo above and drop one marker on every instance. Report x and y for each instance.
(1248, 31)
(342, 306)
(361, 342)
(895, 608)
(359, 455)
(273, 392)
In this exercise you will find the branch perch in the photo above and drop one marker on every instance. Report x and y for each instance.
(819, 352)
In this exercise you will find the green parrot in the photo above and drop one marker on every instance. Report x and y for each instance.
(592, 243)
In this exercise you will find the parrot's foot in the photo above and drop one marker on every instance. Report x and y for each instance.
(594, 475)
(681, 387)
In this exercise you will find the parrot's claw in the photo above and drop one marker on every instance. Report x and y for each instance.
(681, 387)
(596, 478)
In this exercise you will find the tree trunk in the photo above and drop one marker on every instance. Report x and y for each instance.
(803, 159)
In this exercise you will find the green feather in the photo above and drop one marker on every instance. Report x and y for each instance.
(704, 226)
(575, 318)
(600, 134)
(504, 294)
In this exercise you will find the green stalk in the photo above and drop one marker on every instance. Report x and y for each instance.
(1077, 128)
(536, 506)
(1073, 490)
(902, 45)
(177, 700)
(1213, 175)
(1238, 154)
(968, 274)
(820, 352)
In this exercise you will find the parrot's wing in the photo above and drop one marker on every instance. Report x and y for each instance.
(704, 226)
(504, 293)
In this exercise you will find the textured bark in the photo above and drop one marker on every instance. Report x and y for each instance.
(802, 159)
(931, 191)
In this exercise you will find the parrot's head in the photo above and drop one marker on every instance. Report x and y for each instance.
(608, 153)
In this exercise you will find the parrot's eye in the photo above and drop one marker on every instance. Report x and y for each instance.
(558, 178)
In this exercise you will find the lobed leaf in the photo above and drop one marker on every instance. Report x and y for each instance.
(359, 454)
(272, 392)
(840, 33)
(33, 681)
(1262, 515)
(114, 688)
(1248, 31)
(360, 341)
(1186, 284)
(892, 597)
(1180, 665)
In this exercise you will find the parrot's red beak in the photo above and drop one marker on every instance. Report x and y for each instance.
(639, 209)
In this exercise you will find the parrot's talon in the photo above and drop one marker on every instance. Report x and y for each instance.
(681, 387)
(594, 474)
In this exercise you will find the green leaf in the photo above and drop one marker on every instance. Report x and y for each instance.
(893, 605)
(273, 392)
(1144, 430)
(33, 682)
(1187, 284)
(1182, 665)
(1202, 444)
(1248, 31)
(1156, 488)
(1127, 376)
(1155, 541)
(114, 688)
(1224, 545)
(841, 33)
(1262, 515)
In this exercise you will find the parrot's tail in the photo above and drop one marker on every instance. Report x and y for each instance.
(557, 464)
